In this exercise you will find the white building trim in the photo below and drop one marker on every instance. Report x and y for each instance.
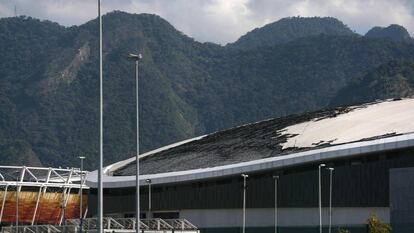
(294, 159)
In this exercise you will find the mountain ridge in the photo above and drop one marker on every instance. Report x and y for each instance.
(394, 79)
(289, 29)
(392, 32)
(49, 88)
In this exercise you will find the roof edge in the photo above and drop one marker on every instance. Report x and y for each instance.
(334, 152)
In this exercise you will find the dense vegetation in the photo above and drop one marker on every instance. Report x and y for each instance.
(292, 28)
(49, 82)
(392, 32)
(390, 80)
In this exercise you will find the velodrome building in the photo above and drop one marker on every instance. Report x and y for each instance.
(370, 146)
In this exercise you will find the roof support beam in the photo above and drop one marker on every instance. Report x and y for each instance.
(37, 205)
(3, 203)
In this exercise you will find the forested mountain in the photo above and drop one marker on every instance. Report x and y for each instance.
(393, 32)
(49, 83)
(390, 80)
(292, 28)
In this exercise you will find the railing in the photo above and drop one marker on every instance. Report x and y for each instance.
(129, 223)
(157, 224)
(181, 224)
(38, 229)
(109, 225)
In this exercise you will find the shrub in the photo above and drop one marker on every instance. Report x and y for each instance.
(340, 230)
(376, 226)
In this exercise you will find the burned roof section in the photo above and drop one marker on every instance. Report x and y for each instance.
(244, 143)
(270, 138)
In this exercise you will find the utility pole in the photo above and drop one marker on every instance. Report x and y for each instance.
(100, 169)
(137, 58)
(331, 169)
(81, 195)
(320, 198)
(244, 201)
(149, 198)
(276, 178)
(17, 205)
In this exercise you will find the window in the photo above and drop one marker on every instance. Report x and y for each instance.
(132, 215)
(166, 215)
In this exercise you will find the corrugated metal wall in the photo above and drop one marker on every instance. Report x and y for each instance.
(402, 200)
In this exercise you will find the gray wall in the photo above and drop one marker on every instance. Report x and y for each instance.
(402, 200)
(286, 217)
(362, 181)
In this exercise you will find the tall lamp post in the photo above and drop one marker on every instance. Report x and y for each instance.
(17, 205)
(100, 169)
(81, 194)
(149, 197)
(136, 58)
(331, 169)
(244, 201)
(320, 197)
(276, 178)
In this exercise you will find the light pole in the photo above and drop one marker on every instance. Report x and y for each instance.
(331, 169)
(276, 178)
(100, 169)
(149, 197)
(244, 201)
(136, 58)
(17, 205)
(320, 197)
(81, 194)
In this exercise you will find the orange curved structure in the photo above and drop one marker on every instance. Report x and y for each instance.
(50, 207)
(38, 195)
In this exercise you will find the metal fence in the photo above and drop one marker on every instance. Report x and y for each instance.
(112, 225)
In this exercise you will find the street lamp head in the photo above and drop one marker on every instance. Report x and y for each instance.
(244, 175)
(331, 168)
(148, 181)
(135, 57)
(81, 157)
(275, 177)
(322, 165)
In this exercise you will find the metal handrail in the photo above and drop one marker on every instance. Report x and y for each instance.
(182, 224)
(157, 224)
(28, 228)
(129, 223)
(32, 229)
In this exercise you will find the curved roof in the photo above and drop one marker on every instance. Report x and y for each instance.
(276, 142)
(358, 123)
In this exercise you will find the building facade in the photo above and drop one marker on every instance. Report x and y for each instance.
(200, 179)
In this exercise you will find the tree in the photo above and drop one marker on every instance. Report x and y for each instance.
(376, 226)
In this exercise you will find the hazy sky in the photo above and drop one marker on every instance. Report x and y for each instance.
(223, 21)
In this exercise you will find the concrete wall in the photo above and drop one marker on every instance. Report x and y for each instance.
(286, 217)
(360, 182)
(402, 199)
